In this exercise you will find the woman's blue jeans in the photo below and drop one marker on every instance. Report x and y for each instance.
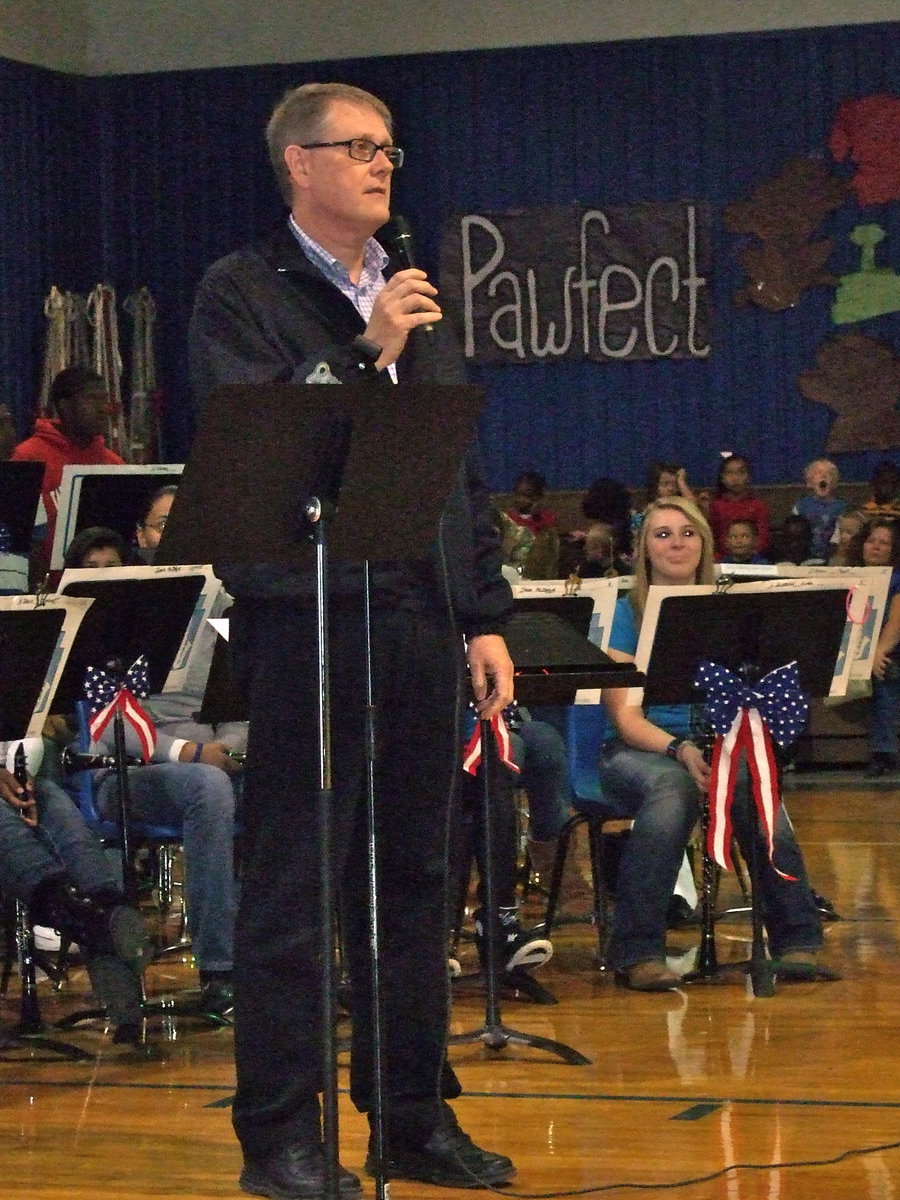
(664, 802)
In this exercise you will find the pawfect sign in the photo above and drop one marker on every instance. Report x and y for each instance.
(546, 284)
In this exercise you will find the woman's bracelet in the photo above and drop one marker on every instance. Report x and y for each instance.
(674, 747)
(196, 755)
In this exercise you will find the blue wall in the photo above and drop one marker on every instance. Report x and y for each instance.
(146, 179)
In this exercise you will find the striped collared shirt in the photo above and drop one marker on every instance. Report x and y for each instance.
(361, 295)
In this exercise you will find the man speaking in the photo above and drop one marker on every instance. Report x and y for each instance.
(315, 301)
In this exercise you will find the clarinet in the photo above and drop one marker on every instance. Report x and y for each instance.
(20, 773)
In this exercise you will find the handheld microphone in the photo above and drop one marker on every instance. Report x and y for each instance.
(400, 238)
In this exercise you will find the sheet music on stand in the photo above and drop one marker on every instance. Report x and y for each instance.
(36, 636)
(107, 494)
(866, 610)
(603, 592)
(833, 619)
(209, 589)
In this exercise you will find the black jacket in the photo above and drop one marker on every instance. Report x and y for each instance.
(265, 314)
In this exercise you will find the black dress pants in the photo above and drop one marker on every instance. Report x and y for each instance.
(417, 658)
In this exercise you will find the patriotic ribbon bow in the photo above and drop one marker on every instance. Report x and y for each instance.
(747, 719)
(105, 694)
(472, 751)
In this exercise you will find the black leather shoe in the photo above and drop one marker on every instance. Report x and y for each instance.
(295, 1173)
(217, 998)
(825, 908)
(680, 915)
(448, 1159)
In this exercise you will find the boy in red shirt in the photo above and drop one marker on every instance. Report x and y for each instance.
(79, 399)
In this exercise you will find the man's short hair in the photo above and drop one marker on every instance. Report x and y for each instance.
(299, 115)
(69, 383)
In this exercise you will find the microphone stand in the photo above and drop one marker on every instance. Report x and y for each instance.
(493, 1033)
(378, 1082)
(317, 514)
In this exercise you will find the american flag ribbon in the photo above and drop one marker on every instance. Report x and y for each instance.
(105, 694)
(746, 720)
(472, 751)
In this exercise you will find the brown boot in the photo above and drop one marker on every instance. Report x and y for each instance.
(576, 897)
(649, 976)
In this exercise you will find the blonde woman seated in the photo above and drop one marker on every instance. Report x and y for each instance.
(653, 772)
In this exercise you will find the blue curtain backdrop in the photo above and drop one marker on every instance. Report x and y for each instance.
(145, 180)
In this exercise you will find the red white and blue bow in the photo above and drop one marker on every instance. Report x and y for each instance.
(106, 693)
(747, 719)
(472, 751)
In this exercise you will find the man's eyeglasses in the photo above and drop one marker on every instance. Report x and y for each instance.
(362, 149)
(159, 525)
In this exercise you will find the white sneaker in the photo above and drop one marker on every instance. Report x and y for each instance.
(46, 938)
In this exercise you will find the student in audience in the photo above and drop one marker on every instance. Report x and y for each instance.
(794, 543)
(742, 539)
(530, 537)
(152, 521)
(96, 546)
(665, 479)
(609, 502)
(598, 557)
(885, 498)
(847, 530)
(879, 546)
(733, 500)
(651, 770)
(820, 505)
(73, 434)
(51, 861)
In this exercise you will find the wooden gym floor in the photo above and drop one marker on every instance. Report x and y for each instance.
(798, 1094)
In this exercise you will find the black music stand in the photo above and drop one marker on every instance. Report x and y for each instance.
(554, 661)
(20, 491)
(146, 613)
(28, 640)
(112, 495)
(325, 460)
(750, 633)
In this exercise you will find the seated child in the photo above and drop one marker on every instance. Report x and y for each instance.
(733, 500)
(97, 546)
(599, 559)
(530, 538)
(821, 507)
(794, 543)
(847, 531)
(742, 540)
(885, 483)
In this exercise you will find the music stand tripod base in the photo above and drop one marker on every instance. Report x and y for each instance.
(493, 1033)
